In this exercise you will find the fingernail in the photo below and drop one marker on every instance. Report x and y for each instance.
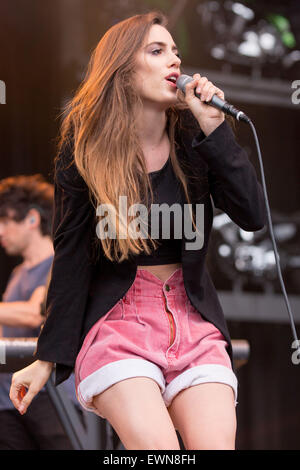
(21, 409)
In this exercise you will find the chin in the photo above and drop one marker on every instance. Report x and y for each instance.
(162, 102)
(169, 101)
(11, 251)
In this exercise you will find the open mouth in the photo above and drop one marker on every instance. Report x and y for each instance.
(172, 80)
(173, 84)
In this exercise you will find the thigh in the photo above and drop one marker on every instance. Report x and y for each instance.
(44, 424)
(13, 433)
(205, 416)
(135, 409)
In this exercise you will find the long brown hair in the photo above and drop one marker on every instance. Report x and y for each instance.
(102, 116)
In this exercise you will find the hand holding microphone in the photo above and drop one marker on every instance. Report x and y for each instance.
(198, 93)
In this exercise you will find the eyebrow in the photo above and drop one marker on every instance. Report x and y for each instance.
(162, 44)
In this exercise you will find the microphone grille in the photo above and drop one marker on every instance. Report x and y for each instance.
(182, 80)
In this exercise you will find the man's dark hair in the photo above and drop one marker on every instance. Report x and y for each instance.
(21, 193)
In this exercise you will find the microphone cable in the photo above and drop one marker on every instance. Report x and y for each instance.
(272, 235)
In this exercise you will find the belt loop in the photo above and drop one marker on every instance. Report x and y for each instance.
(187, 305)
(121, 301)
(136, 307)
(136, 293)
(136, 284)
(133, 288)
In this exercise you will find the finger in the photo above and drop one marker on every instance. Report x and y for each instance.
(197, 79)
(189, 88)
(27, 400)
(210, 93)
(22, 392)
(192, 86)
(220, 93)
(206, 88)
(201, 83)
(197, 76)
(16, 393)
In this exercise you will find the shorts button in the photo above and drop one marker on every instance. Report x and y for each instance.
(168, 287)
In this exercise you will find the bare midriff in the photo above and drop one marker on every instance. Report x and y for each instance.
(162, 271)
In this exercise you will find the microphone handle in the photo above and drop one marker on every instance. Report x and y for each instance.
(225, 107)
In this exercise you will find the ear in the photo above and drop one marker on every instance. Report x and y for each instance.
(33, 215)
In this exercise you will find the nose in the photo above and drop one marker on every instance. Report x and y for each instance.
(174, 60)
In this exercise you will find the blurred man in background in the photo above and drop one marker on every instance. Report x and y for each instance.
(26, 205)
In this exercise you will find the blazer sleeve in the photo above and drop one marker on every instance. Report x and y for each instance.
(232, 178)
(72, 230)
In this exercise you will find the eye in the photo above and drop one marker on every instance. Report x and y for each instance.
(158, 51)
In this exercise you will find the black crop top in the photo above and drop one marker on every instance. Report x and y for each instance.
(166, 189)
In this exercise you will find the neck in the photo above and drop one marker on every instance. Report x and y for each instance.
(40, 248)
(152, 127)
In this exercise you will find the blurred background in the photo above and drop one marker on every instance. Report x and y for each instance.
(251, 50)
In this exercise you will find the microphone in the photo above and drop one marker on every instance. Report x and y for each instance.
(216, 102)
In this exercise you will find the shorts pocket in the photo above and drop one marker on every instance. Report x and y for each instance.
(115, 313)
(131, 312)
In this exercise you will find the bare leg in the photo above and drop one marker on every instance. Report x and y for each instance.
(205, 416)
(135, 409)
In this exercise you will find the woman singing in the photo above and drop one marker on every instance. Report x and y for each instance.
(138, 317)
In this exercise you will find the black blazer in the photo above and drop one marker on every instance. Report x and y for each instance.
(82, 290)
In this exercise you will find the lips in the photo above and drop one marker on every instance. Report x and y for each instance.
(171, 79)
(173, 75)
(173, 85)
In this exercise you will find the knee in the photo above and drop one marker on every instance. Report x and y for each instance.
(212, 439)
(152, 444)
(221, 443)
(212, 446)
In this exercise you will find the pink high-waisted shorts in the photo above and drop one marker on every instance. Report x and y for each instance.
(153, 331)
